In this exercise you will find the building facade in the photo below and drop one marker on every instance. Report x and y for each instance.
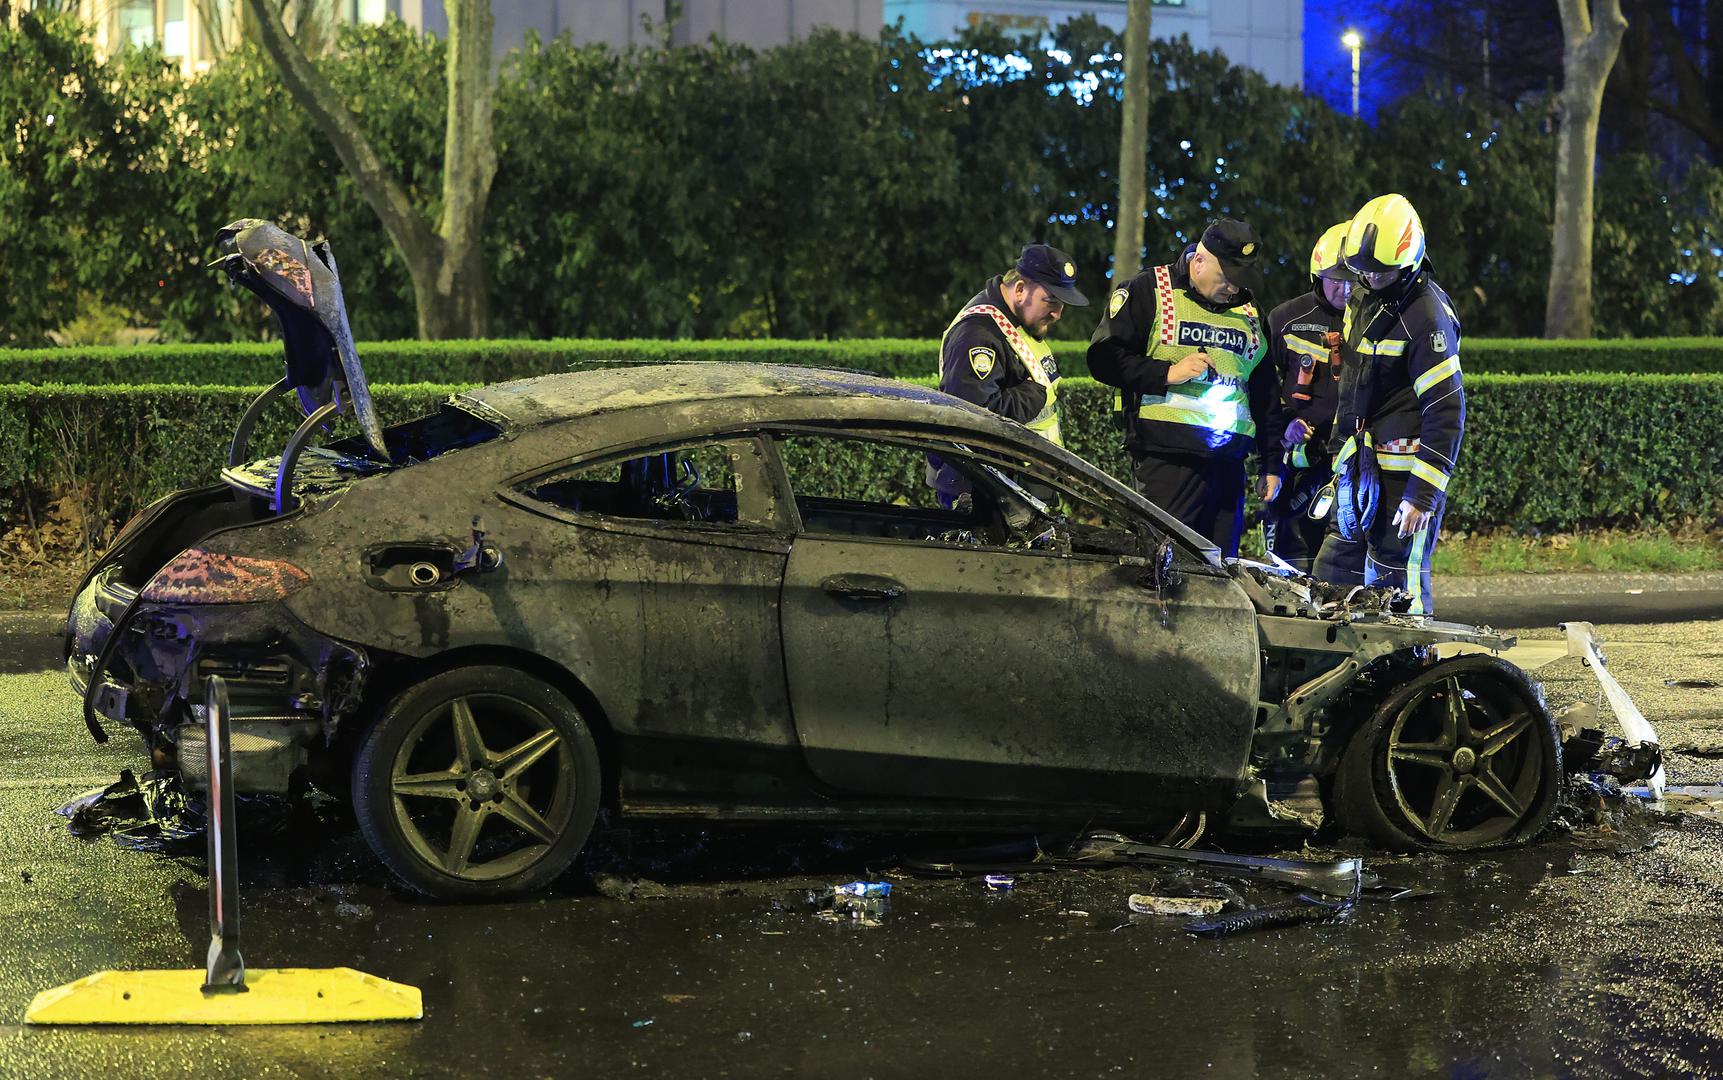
(1263, 34)
(1267, 35)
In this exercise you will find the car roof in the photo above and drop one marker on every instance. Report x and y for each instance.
(782, 391)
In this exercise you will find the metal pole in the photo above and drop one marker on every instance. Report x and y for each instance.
(226, 968)
(1355, 51)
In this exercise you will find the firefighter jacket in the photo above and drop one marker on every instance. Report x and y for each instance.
(1309, 384)
(1400, 385)
(986, 358)
(1153, 321)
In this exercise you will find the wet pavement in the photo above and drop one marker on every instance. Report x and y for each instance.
(1586, 955)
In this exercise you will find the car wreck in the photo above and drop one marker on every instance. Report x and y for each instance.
(668, 592)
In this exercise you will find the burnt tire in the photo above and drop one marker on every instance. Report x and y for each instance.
(480, 782)
(1463, 755)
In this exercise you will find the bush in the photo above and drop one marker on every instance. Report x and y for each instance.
(1552, 453)
(477, 362)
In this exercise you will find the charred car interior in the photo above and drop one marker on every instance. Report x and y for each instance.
(665, 592)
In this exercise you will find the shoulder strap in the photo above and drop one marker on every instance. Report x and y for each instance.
(1031, 363)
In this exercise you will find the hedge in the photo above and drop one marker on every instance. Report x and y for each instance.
(494, 361)
(1553, 453)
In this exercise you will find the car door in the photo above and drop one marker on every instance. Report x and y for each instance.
(930, 653)
(653, 574)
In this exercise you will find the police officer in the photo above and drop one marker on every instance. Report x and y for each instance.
(995, 352)
(1184, 345)
(1304, 345)
(1402, 408)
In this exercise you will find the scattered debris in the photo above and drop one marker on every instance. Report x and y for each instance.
(1307, 909)
(152, 816)
(1343, 877)
(1690, 684)
(26, 875)
(1076, 913)
(1592, 808)
(864, 888)
(1000, 882)
(1144, 904)
(863, 903)
(1700, 800)
(617, 887)
(1695, 749)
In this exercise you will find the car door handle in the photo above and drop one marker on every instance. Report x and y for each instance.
(863, 587)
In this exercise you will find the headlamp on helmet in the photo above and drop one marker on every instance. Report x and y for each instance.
(1385, 236)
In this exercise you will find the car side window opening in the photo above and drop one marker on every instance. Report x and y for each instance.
(849, 485)
(694, 483)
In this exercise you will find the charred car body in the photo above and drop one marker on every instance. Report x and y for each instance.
(668, 591)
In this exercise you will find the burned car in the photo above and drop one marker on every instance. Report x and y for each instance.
(723, 592)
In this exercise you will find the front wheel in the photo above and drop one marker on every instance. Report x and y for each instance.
(1464, 755)
(480, 782)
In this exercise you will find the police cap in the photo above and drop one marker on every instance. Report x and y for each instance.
(1052, 269)
(1238, 249)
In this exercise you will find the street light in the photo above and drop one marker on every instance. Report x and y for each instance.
(1353, 41)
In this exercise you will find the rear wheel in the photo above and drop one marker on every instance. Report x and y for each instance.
(479, 782)
(1464, 755)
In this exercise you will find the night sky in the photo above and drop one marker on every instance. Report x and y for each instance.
(1328, 64)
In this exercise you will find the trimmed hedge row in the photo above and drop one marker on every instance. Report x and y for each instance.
(1557, 452)
(389, 362)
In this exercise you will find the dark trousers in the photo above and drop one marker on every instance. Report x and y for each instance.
(1389, 558)
(1206, 494)
(1287, 526)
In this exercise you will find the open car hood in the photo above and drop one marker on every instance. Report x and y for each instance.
(300, 283)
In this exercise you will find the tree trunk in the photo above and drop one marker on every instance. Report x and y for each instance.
(1591, 41)
(469, 166)
(451, 285)
(1133, 147)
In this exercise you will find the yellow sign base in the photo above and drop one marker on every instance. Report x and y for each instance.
(272, 996)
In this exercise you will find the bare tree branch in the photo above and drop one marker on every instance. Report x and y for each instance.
(312, 91)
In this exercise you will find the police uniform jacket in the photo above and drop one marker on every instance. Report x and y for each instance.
(1400, 382)
(1298, 347)
(1157, 319)
(978, 364)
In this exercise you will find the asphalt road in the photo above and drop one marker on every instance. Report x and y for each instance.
(1589, 955)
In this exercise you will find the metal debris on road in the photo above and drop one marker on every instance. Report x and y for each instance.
(1144, 904)
(1307, 909)
(837, 904)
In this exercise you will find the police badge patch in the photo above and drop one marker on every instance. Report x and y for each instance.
(1117, 303)
(981, 361)
(1439, 341)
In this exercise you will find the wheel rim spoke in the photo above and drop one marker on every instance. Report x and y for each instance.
(521, 757)
(1491, 784)
(1499, 737)
(516, 809)
(462, 838)
(1448, 793)
(470, 752)
(1454, 726)
(1434, 755)
(437, 785)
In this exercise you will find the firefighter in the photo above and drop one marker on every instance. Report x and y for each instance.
(1185, 348)
(1304, 345)
(995, 352)
(1402, 408)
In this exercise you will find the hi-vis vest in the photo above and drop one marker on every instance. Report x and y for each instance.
(1234, 345)
(1037, 359)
